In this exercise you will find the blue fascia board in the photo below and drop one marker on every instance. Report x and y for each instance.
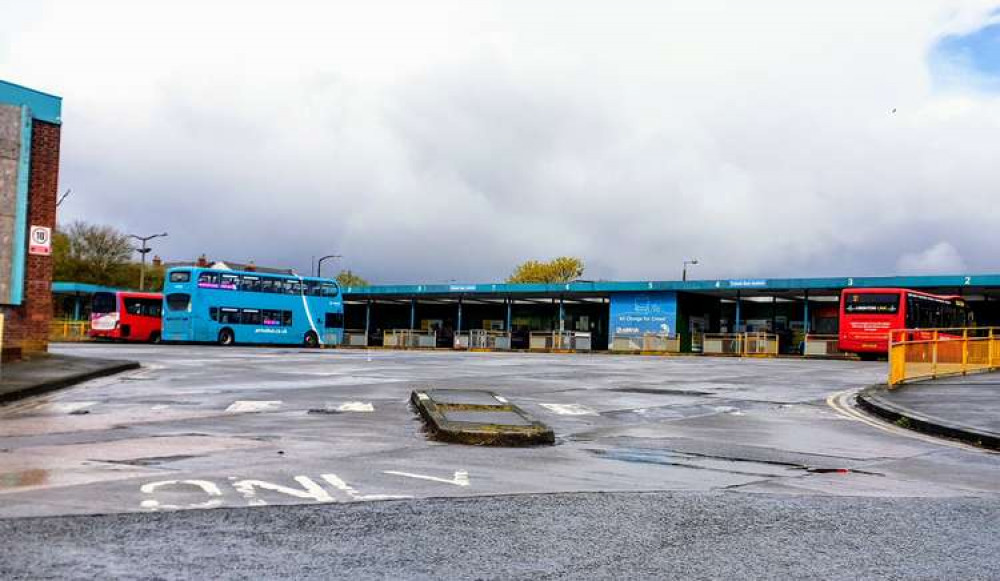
(43, 106)
(741, 284)
(66, 288)
(18, 258)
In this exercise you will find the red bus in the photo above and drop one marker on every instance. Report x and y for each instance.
(126, 316)
(867, 316)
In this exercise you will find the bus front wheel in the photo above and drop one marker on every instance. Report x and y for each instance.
(226, 337)
(311, 340)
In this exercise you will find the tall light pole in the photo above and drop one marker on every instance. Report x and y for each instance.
(319, 265)
(144, 250)
(684, 273)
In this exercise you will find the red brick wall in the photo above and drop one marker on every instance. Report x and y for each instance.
(26, 328)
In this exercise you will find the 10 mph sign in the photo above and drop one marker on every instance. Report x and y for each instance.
(40, 241)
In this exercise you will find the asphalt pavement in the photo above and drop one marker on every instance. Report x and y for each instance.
(561, 536)
(962, 407)
(313, 463)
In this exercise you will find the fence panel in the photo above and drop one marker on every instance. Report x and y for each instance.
(916, 354)
(66, 330)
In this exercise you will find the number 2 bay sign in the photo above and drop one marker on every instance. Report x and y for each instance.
(40, 241)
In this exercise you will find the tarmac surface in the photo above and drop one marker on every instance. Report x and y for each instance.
(722, 454)
(965, 407)
(563, 536)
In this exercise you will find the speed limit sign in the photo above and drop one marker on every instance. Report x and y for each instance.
(40, 240)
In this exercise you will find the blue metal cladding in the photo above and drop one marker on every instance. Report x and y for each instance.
(18, 262)
(44, 107)
(637, 313)
(770, 284)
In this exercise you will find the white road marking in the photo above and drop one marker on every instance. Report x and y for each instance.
(569, 409)
(67, 407)
(248, 406)
(310, 490)
(207, 487)
(356, 406)
(352, 492)
(500, 398)
(461, 477)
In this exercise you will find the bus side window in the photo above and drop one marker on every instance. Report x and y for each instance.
(250, 283)
(209, 279)
(250, 317)
(272, 318)
(152, 307)
(213, 313)
(286, 318)
(229, 316)
(133, 306)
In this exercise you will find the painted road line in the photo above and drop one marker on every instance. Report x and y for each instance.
(569, 409)
(356, 406)
(841, 402)
(250, 406)
(461, 477)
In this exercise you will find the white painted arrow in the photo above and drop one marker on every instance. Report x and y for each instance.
(461, 477)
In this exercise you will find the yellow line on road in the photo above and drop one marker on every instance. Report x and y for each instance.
(841, 403)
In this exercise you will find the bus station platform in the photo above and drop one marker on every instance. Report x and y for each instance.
(44, 373)
(965, 408)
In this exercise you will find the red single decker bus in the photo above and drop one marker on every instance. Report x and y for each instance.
(867, 316)
(127, 316)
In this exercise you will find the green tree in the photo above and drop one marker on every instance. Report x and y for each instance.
(560, 269)
(346, 278)
(95, 254)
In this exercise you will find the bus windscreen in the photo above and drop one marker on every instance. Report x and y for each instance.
(872, 303)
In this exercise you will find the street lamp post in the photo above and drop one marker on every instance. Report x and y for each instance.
(684, 273)
(144, 250)
(319, 265)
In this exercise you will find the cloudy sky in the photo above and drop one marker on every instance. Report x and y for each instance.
(430, 141)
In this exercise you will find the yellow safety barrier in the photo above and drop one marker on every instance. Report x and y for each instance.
(62, 330)
(916, 354)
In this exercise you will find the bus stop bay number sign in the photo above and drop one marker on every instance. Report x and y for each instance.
(40, 240)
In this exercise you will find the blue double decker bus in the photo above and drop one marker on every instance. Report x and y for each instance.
(229, 307)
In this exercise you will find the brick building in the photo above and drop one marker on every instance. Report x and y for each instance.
(30, 125)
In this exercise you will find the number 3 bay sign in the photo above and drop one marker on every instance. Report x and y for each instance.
(40, 240)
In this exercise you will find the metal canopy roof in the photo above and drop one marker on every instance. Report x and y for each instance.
(728, 288)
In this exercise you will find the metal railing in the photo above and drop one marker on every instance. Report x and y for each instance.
(821, 345)
(916, 354)
(483, 339)
(555, 340)
(355, 338)
(741, 344)
(647, 343)
(67, 330)
(409, 338)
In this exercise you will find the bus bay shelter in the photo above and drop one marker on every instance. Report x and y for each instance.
(633, 316)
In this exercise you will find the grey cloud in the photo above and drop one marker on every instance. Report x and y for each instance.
(773, 155)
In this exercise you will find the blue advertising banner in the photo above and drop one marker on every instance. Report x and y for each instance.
(638, 313)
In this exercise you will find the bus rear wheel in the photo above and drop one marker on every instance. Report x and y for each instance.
(311, 340)
(226, 337)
